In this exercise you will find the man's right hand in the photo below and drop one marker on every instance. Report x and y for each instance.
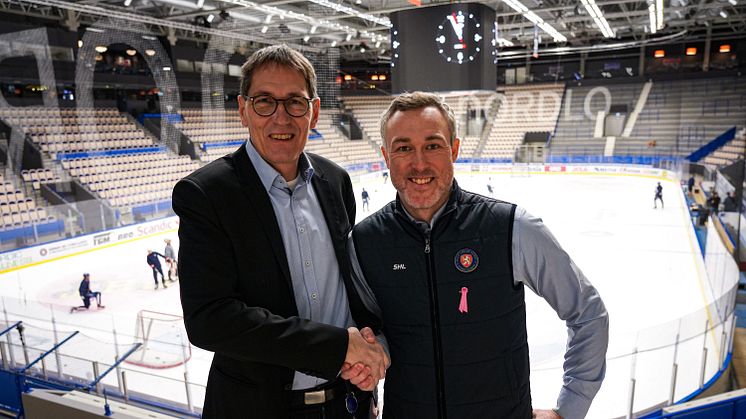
(366, 361)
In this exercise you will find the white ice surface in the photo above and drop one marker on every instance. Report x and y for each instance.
(645, 263)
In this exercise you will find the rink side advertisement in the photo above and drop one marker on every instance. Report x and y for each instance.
(16, 259)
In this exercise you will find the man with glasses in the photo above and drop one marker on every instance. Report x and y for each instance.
(265, 273)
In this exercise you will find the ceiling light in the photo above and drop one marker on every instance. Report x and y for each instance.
(268, 19)
(101, 49)
(264, 29)
(383, 21)
(166, 68)
(653, 19)
(131, 52)
(598, 17)
(97, 30)
(127, 3)
(659, 53)
(374, 77)
(149, 37)
(348, 77)
(382, 77)
(210, 18)
(150, 52)
(691, 51)
(725, 48)
(313, 28)
(733, 2)
(362, 50)
(520, 8)
(378, 44)
(80, 43)
(723, 14)
(334, 44)
(200, 3)
(659, 13)
(306, 38)
(349, 36)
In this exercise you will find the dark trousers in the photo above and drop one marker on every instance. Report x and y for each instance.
(156, 271)
(87, 298)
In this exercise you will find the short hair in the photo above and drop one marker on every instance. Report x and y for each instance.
(418, 100)
(281, 55)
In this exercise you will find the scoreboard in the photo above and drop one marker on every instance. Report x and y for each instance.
(445, 47)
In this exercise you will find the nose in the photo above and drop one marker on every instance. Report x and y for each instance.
(281, 115)
(419, 160)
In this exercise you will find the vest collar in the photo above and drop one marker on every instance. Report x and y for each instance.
(447, 208)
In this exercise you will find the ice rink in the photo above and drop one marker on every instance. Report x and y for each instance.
(645, 263)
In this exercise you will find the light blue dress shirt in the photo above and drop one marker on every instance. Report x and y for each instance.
(319, 292)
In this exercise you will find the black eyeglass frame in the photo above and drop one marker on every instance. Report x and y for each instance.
(309, 100)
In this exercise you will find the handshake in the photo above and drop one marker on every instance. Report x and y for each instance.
(366, 361)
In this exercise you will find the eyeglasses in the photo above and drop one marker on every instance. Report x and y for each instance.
(266, 105)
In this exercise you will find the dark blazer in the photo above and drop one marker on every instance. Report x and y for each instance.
(236, 290)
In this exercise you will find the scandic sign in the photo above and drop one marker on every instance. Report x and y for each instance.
(19, 258)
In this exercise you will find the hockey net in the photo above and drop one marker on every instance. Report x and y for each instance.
(163, 338)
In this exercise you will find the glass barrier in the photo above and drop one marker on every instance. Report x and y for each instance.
(91, 353)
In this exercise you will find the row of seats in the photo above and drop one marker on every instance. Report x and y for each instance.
(522, 109)
(36, 111)
(51, 128)
(19, 219)
(17, 206)
(38, 176)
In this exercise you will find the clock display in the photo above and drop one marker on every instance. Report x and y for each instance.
(458, 38)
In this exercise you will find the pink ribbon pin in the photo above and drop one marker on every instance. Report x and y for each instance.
(463, 305)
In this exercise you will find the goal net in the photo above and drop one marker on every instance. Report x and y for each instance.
(163, 338)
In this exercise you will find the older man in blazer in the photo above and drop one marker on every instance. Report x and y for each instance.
(264, 267)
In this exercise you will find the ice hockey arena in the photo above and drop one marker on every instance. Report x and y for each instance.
(577, 111)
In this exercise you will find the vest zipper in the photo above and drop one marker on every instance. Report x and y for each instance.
(437, 344)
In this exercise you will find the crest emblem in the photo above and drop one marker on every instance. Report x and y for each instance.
(466, 260)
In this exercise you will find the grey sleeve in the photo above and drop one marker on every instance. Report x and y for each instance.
(366, 294)
(540, 263)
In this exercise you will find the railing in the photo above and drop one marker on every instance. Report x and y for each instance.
(41, 351)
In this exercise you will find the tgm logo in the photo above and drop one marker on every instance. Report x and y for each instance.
(101, 239)
(400, 267)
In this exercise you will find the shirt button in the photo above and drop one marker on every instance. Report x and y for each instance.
(313, 295)
(308, 263)
(302, 230)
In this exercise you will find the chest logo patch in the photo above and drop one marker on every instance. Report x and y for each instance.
(466, 260)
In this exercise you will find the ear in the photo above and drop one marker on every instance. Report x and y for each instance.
(385, 156)
(242, 109)
(454, 149)
(316, 108)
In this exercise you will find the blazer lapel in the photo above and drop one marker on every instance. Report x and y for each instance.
(259, 200)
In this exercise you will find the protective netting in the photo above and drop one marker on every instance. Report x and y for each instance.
(326, 64)
(33, 42)
(155, 56)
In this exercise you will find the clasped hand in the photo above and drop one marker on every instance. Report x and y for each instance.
(366, 361)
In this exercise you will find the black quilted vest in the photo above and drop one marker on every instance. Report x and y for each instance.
(451, 356)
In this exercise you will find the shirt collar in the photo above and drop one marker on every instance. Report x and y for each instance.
(423, 225)
(268, 174)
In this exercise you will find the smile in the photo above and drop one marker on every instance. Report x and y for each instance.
(280, 136)
(421, 180)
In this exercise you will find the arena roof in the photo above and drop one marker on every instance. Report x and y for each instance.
(360, 28)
